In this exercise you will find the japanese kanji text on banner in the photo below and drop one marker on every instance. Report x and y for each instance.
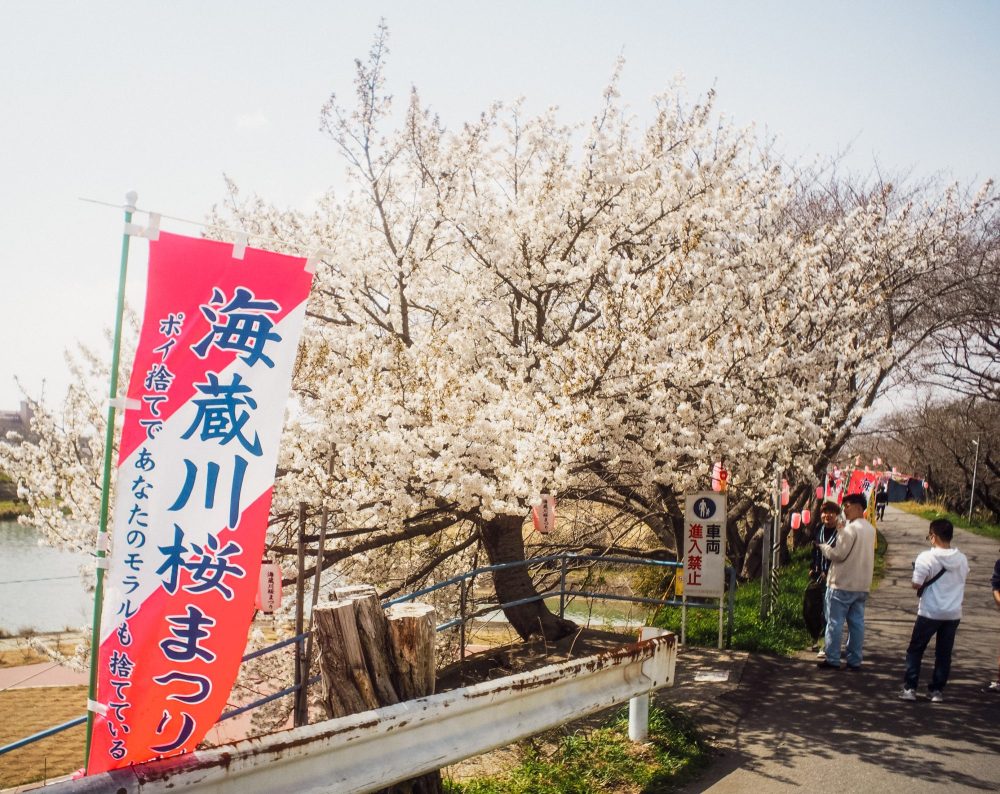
(705, 544)
(196, 468)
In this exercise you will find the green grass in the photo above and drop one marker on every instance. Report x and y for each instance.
(9, 510)
(783, 632)
(931, 510)
(602, 760)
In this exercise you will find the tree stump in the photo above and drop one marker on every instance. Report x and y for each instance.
(370, 659)
(373, 630)
(347, 686)
(411, 629)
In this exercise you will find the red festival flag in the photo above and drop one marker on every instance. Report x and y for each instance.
(196, 466)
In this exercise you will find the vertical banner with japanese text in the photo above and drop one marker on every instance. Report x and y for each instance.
(197, 456)
(705, 544)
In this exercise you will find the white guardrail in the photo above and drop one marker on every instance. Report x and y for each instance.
(368, 751)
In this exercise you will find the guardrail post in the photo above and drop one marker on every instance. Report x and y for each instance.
(638, 707)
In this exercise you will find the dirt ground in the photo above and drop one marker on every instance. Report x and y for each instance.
(27, 711)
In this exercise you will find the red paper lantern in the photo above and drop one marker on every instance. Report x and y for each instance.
(720, 477)
(796, 521)
(269, 587)
(806, 516)
(819, 491)
(784, 493)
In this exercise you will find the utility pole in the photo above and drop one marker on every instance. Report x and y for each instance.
(975, 466)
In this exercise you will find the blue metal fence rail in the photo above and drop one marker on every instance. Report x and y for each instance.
(565, 560)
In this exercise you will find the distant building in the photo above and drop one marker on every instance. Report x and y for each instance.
(17, 421)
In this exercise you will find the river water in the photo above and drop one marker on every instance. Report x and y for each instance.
(40, 587)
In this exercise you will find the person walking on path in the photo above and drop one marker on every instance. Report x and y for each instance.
(848, 583)
(939, 578)
(994, 686)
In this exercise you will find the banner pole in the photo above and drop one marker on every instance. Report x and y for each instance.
(109, 437)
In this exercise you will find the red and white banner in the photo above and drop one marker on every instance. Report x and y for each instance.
(196, 466)
(862, 482)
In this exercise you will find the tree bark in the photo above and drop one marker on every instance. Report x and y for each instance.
(411, 627)
(373, 631)
(347, 687)
(753, 560)
(504, 542)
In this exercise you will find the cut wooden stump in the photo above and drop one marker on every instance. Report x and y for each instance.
(347, 687)
(369, 659)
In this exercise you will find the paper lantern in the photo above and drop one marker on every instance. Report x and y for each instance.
(269, 587)
(720, 477)
(819, 491)
(784, 493)
(806, 516)
(796, 521)
(543, 516)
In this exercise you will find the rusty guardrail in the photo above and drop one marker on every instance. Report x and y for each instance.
(367, 751)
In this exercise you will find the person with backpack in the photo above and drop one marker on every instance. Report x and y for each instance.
(939, 578)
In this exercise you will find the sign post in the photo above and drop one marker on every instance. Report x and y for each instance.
(705, 515)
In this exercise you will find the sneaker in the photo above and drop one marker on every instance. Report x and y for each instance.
(825, 665)
(821, 655)
(936, 697)
(993, 688)
(907, 694)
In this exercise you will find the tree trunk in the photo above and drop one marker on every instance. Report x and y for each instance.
(504, 542)
(753, 560)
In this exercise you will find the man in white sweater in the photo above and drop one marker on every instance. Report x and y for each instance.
(847, 584)
(939, 578)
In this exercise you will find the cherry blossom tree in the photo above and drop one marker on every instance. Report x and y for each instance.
(516, 307)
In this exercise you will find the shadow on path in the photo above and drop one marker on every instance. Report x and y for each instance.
(789, 725)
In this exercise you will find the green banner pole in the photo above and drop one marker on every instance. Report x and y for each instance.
(109, 439)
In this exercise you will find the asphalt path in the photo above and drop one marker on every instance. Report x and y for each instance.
(789, 725)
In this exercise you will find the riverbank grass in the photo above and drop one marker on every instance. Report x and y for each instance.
(601, 760)
(933, 510)
(9, 511)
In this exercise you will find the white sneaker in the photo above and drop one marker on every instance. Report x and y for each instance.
(937, 697)
(821, 655)
(993, 687)
(907, 694)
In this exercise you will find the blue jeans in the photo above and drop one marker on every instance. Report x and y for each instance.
(844, 606)
(923, 630)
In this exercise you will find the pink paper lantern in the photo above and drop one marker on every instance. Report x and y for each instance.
(269, 587)
(806, 516)
(796, 521)
(784, 493)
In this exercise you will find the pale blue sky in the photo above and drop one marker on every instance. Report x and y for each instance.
(97, 98)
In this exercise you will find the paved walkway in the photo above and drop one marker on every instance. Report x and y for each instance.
(789, 726)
